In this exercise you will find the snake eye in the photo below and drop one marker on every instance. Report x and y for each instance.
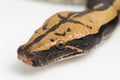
(60, 45)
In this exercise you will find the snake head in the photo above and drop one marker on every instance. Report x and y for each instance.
(62, 36)
(50, 42)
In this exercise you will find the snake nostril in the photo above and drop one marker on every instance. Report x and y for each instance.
(35, 63)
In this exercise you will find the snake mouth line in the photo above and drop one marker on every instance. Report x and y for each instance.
(67, 56)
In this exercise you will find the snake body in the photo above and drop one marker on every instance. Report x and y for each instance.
(68, 34)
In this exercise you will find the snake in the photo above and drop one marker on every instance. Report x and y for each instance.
(69, 34)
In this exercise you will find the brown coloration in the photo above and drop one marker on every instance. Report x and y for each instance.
(25, 59)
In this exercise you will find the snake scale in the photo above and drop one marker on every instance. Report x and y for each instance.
(68, 34)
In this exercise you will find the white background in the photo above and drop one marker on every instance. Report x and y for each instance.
(18, 21)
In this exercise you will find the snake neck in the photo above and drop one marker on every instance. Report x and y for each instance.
(103, 4)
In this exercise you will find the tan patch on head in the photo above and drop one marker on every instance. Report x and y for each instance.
(98, 18)
(77, 31)
(50, 23)
(74, 48)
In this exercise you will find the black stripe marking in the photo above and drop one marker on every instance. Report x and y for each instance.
(58, 34)
(42, 36)
(73, 21)
(77, 22)
(67, 20)
(70, 14)
(83, 13)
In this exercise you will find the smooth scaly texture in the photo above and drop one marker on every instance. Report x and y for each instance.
(69, 34)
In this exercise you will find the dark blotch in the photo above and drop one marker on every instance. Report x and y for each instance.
(85, 43)
(68, 30)
(58, 34)
(90, 27)
(44, 27)
(52, 40)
